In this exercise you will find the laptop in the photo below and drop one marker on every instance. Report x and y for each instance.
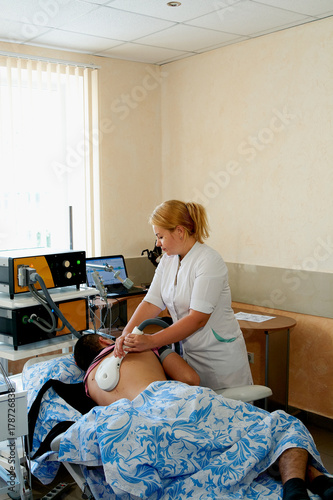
(113, 279)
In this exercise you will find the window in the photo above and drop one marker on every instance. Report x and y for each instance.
(49, 156)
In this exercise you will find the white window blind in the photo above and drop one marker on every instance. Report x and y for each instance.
(49, 155)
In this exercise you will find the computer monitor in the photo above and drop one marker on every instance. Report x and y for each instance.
(117, 262)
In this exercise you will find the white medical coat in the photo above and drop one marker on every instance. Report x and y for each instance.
(200, 282)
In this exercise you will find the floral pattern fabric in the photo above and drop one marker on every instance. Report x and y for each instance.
(172, 441)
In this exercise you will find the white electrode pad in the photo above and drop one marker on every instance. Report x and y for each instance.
(107, 373)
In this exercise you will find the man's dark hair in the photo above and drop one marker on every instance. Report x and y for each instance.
(86, 349)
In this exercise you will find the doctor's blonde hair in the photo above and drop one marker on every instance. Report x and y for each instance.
(191, 216)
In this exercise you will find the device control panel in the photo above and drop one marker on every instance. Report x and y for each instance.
(57, 270)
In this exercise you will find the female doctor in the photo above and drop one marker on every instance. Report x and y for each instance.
(191, 281)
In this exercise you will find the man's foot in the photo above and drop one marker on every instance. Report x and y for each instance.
(323, 486)
(295, 489)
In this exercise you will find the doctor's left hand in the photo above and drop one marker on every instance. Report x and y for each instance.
(138, 343)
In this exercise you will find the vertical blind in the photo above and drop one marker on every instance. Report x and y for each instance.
(49, 155)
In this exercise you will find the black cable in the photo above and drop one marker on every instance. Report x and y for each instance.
(153, 321)
(56, 309)
(38, 321)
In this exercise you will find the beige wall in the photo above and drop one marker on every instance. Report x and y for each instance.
(130, 155)
(247, 130)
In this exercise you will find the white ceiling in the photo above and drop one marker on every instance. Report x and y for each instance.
(149, 30)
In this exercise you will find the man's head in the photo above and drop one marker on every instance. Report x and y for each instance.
(87, 348)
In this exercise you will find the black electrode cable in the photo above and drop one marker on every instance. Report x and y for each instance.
(36, 320)
(35, 277)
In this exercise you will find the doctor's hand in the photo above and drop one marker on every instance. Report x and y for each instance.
(138, 343)
(119, 351)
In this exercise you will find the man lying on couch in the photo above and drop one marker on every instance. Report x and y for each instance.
(228, 432)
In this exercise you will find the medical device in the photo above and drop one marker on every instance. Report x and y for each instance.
(99, 285)
(107, 373)
(57, 269)
(23, 321)
(27, 318)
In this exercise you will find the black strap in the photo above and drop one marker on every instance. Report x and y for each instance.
(73, 394)
(45, 446)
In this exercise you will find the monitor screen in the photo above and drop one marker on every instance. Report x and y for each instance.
(108, 277)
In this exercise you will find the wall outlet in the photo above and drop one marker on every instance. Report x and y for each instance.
(250, 355)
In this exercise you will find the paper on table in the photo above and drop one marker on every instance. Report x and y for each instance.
(255, 318)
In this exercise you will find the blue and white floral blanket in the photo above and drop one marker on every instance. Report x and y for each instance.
(172, 441)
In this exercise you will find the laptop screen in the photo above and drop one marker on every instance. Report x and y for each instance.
(117, 262)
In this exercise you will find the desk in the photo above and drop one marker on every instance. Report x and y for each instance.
(276, 351)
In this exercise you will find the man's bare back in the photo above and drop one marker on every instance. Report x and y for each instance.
(137, 371)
